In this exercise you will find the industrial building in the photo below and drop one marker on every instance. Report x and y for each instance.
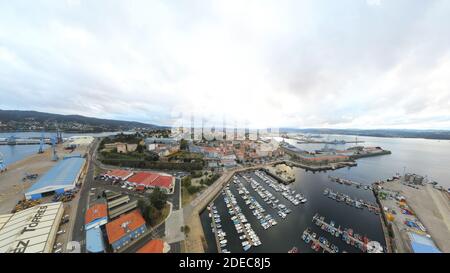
(119, 174)
(31, 230)
(96, 216)
(59, 179)
(152, 180)
(422, 244)
(94, 240)
(125, 229)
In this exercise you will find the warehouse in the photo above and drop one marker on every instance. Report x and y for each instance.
(96, 216)
(119, 174)
(152, 180)
(124, 229)
(61, 178)
(31, 230)
(94, 240)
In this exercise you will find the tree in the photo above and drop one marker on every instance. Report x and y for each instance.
(184, 145)
(158, 198)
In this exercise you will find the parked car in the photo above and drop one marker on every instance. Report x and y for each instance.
(62, 231)
(59, 250)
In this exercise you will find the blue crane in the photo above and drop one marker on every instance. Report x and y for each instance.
(41, 144)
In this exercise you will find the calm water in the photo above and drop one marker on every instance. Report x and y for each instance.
(425, 157)
(16, 153)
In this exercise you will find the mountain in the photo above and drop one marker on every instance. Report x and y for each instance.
(33, 120)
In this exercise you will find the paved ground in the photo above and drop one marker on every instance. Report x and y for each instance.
(12, 188)
(173, 227)
(432, 208)
(78, 233)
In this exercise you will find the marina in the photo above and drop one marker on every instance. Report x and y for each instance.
(318, 243)
(348, 182)
(353, 202)
(260, 191)
(347, 235)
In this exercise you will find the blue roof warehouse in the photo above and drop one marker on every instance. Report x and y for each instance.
(61, 178)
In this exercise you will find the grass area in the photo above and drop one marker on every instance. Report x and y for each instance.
(186, 198)
(185, 155)
(98, 170)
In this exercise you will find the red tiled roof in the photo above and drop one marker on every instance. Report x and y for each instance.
(151, 179)
(96, 212)
(119, 173)
(163, 182)
(144, 178)
(154, 246)
(115, 229)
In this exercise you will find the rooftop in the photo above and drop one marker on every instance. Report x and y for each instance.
(119, 173)
(95, 212)
(154, 246)
(422, 244)
(94, 240)
(124, 224)
(151, 179)
(64, 173)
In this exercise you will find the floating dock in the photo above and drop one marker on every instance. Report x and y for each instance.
(360, 204)
(346, 234)
(236, 213)
(213, 225)
(308, 237)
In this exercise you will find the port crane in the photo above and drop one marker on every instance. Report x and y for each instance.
(41, 144)
(54, 155)
(2, 163)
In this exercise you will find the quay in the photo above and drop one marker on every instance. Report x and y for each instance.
(24, 141)
(277, 177)
(320, 168)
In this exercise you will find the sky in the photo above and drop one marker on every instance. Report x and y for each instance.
(302, 64)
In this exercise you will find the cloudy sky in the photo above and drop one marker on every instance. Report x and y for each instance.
(334, 64)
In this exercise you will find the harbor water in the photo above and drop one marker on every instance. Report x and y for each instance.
(421, 156)
(14, 153)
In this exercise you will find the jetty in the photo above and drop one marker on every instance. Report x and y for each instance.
(353, 202)
(214, 226)
(318, 243)
(347, 235)
(235, 210)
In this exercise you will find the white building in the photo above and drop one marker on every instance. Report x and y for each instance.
(31, 230)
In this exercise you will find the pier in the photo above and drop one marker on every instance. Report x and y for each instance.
(308, 237)
(24, 141)
(345, 181)
(213, 225)
(360, 204)
(361, 242)
(237, 213)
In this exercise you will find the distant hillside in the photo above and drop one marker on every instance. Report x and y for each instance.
(405, 133)
(29, 120)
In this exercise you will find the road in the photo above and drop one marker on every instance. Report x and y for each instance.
(78, 233)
